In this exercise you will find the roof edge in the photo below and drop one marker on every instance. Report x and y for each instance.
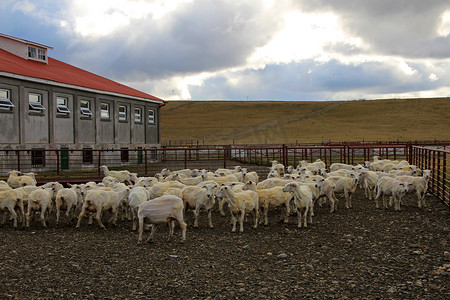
(66, 85)
(24, 41)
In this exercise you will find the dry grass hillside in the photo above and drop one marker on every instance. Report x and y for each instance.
(266, 122)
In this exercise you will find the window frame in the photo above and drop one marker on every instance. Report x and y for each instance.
(152, 118)
(123, 115)
(88, 156)
(5, 102)
(138, 120)
(36, 107)
(41, 54)
(32, 52)
(102, 111)
(86, 112)
(62, 109)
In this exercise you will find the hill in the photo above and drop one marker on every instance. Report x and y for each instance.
(290, 122)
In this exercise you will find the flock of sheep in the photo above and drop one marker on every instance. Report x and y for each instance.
(165, 197)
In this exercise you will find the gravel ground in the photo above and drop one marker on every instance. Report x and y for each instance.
(359, 253)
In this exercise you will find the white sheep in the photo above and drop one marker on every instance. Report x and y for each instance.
(271, 198)
(162, 210)
(160, 188)
(240, 203)
(346, 185)
(100, 200)
(121, 176)
(249, 176)
(388, 186)
(369, 180)
(69, 199)
(39, 200)
(137, 196)
(417, 184)
(271, 182)
(16, 180)
(303, 200)
(200, 197)
(9, 202)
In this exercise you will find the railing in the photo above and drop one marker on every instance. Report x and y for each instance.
(435, 160)
(63, 164)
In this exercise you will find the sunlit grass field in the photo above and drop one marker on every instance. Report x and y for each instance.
(289, 122)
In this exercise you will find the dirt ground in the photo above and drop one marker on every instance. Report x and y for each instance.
(358, 253)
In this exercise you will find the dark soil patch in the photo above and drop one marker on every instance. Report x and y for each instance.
(359, 253)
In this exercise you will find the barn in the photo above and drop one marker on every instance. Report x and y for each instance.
(48, 104)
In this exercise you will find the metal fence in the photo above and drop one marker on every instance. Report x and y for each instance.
(72, 164)
(435, 160)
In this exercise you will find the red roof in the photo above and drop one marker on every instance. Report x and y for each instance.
(61, 72)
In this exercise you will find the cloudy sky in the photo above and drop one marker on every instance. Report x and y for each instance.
(248, 49)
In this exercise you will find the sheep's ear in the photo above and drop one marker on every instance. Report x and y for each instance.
(69, 185)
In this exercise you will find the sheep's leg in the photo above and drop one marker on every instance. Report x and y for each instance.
(13, 215)
(210, 218)
(171, 229)
(82, 213)
(221, 202)
(183, 229)
(28, 216)
(141, 229)
(256, 216)
(152, 233)
(305, 217)
(311, 214)
(113, 218)
(196, 212)
(58, 210)
(241, 221)
(98, 217)
(347, 196)
(299, 217)
(134, 217)
(266, 213)
(286, 213)
(42, 216)
(233, 221)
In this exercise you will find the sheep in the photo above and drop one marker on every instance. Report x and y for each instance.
(271, 182)
(303, 201)
(174, 191)
(338, 166)
(98, 201)
(327, 188)
(39, 200)
(109, 180)
(163, 209)
(271, 198)
(225, 179)
(137, 196)
(249, 176)
(277, 170)
(388, 186)
(159, 189)
(369, 180)
(9, 202)
(69, 199)
(146, 181)
(417, 184)
(121, 176)
(236, 186)
(240, 203)
(346, 185)
(197, 198)
(16, 180)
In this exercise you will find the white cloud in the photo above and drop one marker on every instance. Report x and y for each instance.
(444, 26)
(433, 77)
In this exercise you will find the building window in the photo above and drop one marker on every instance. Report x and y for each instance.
(104, 111)
(41, 54)
(37, 158)
(151, 117)
(85, 109)
(35, 103)
(31, 52)
(137, 115)
(62, 106)
(88, 156)
(124, 156)
(122, 113)
(5, 100)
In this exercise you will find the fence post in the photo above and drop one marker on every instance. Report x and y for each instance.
(145, 159)
(185, 158)
(18, 160)
(99, 161)
(58, 152)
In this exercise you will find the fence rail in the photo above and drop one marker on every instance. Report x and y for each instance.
(63, 164)
(436, 161)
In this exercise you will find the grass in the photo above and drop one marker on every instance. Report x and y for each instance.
(264, 122)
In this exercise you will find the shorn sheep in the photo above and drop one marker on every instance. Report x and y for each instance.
(162, 210)
(303, 201)
(240, 203)
(121, 176)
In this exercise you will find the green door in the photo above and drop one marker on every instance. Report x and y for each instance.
(139, 155)
(64, 159)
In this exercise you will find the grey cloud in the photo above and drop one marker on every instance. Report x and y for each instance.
(401, 27)
(325, 82)
(201, 36)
